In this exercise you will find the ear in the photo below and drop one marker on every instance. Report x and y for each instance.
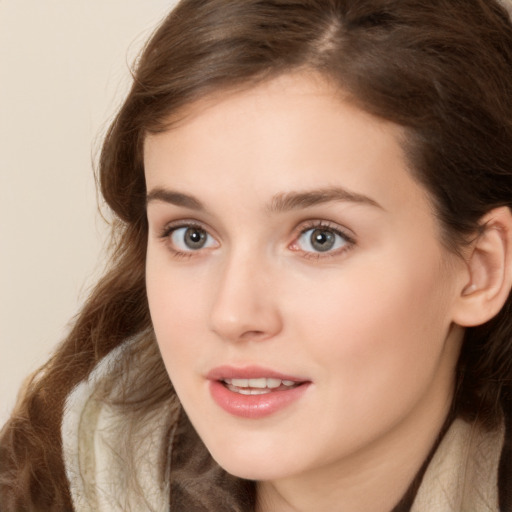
(488, 280)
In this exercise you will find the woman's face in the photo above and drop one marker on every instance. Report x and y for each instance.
(300, 295)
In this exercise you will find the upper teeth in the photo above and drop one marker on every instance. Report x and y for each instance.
(259, 383)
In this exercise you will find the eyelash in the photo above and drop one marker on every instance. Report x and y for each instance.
(169, 229)
(323, 225)
(349, 240)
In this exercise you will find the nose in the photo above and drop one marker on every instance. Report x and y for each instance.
(245, 305)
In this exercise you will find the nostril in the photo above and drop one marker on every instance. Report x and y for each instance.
(253, 335)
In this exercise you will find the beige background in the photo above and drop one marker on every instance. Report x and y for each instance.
(63, 72)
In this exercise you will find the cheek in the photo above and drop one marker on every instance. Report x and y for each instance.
(375, 318)
(377, 341)
(175, 306)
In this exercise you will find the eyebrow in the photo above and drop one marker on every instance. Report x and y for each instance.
(173, 197)
(279, 203)
(297, 200)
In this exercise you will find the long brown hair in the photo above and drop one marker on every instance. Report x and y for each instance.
(442, 69)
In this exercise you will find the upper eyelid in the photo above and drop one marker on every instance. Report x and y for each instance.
(334, 226)
(171, 226)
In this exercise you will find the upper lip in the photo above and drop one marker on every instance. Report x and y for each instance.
(249, 372)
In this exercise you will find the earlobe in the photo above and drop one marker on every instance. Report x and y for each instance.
(489, 276)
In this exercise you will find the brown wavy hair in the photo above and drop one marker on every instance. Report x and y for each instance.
(442, 69)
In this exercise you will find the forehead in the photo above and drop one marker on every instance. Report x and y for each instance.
(293, 131)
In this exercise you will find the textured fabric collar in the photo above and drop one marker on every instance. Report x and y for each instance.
(95, 446)
(463, 474)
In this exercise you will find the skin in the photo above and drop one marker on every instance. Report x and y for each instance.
(369, 323)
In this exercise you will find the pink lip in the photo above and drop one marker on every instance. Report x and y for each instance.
(253, 406)
(249, 372)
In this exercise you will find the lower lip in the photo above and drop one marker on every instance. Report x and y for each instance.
(254, 406)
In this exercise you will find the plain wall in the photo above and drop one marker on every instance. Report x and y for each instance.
(64, 68)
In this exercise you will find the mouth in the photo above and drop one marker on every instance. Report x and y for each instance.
(254, 392)
(259, 386)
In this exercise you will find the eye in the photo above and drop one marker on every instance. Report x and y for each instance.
(190, 238)
(322, 239)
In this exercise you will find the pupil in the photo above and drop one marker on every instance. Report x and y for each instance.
(195, 238)
(322, 240)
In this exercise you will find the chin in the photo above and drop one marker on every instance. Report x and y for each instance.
(254, 464)
(250, 471)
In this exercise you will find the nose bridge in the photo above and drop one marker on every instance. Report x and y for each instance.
(244, 306)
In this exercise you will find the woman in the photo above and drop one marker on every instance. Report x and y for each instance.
(314, 244)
